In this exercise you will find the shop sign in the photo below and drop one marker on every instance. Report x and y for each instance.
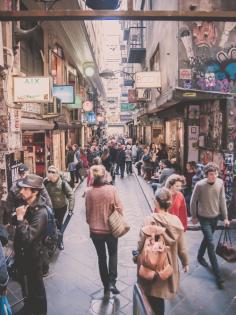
(132, 96)
(189, 94)
(14, 120)
(65, 93)
(88, 106)
(31, 108)
(193, 138)
(32, 89)
(126, 107)
(145, 80)
(124, 118)
(185, 74)
(91, 117)
(77, 104)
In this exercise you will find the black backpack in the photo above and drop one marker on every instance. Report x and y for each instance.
(52, 234)
(103, 4)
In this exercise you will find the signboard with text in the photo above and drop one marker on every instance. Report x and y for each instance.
(32, 89)
(65, 93)
(126, 107)
(150, 79)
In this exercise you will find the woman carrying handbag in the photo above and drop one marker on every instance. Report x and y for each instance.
(101, 200)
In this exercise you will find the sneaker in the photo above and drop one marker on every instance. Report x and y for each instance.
(202, 261)
(114, 289)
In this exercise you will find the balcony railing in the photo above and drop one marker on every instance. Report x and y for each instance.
(128, 74)
(136, 45)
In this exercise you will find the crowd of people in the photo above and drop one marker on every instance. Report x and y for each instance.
(196, 191)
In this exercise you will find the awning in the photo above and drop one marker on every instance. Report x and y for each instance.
(29, 124)
(60, 125)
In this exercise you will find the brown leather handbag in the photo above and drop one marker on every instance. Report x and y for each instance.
(224, 248)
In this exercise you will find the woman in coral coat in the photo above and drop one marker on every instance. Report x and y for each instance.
(179, 208)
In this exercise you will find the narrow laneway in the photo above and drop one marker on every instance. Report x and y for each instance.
(74, 286)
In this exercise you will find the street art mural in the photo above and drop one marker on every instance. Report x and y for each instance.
(207, 51)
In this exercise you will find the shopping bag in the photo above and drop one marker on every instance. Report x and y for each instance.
(5, 308)
(117, 224)
(224, 248)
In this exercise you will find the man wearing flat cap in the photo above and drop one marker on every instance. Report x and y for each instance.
(14, 199)
(31, 228)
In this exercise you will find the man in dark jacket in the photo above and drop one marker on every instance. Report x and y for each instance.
(31, 229)
(14, 199)
(121, 160)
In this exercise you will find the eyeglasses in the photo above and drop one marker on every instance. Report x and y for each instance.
(51, 172)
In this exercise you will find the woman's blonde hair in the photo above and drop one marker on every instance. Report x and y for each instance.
(172, 179)
(98, 173)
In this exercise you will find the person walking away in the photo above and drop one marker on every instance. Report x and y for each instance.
(100, 201)
(147, 164)
(199, 174)
(62, 197)
(174, 184)
(121, 160)
(106, 159)
(84, 159)
(78, 163)
(134, 152)
(158, 290)
(71, 164)
(189, 174)
(207, 204)
(128, 159)
(31, 228)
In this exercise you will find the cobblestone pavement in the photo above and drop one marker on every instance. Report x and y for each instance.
(74, 286)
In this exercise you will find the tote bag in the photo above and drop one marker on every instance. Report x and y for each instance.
(117, 224)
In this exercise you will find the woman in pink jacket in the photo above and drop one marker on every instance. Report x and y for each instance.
(101, 200)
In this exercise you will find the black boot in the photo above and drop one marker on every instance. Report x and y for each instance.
(61, 245)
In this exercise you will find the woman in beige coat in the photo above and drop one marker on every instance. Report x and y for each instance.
(158, 290)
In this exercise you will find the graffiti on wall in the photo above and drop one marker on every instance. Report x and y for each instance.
(208, 50)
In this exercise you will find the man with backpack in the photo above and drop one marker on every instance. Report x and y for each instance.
(31, 229)
(61, 195)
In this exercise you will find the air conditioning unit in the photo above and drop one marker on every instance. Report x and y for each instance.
(143, 94)
(53, 108)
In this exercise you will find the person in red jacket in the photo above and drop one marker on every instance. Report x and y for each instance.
(179, 208)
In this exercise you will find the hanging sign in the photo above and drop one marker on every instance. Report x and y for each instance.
(32, 89)
(88, 106)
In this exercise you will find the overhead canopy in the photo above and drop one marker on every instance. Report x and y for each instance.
(29, 124)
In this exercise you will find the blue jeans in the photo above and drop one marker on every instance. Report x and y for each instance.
(208, 226)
